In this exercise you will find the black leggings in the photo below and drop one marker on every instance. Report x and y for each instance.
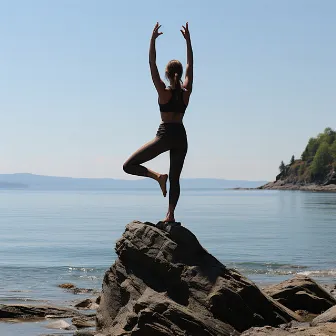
(169, 137)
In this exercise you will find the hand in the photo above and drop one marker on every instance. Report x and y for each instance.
(156, 32)
(185, 32)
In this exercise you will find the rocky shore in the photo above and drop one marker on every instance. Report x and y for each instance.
(283, 185)
(164, 283)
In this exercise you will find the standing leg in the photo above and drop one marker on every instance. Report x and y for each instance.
(177, 157)
(146, 153)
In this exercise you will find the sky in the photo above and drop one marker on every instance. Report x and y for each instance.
(76, 96)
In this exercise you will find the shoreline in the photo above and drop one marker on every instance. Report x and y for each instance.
(39, 325)
(280, 185)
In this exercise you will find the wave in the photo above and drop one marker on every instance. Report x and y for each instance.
(320, 273)
(280, 269)
(248, 268)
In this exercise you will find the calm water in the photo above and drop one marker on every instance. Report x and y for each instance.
(52, 237)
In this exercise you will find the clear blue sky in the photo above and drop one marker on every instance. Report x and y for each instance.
(76, 97)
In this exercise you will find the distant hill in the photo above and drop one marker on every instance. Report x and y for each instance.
(8, 185)
(68, 183)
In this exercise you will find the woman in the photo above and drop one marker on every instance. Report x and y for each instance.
(171, 135)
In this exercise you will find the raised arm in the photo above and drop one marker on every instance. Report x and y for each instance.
(158, 83)
(189, 74)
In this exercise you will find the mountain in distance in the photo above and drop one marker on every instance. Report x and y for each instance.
(42, 182)
(9, 185)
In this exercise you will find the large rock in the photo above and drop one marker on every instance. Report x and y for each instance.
(328, 316)
(165, 283)
(302, 293)
(22, 311)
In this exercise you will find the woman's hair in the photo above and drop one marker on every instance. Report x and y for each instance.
(174, 71)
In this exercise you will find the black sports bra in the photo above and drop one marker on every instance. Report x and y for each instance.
(175, 103)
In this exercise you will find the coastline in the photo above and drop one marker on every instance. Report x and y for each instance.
(281, 185)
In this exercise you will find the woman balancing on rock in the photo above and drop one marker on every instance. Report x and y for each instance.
(171, 135)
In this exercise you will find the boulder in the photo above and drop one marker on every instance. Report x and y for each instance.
(67, 285)
(302, 293)
(327, 316)
(22, 311)
(83, 321)
(165, 283)
(87, 304)
(61, 324)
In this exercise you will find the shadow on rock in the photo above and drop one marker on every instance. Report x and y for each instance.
(165, 283)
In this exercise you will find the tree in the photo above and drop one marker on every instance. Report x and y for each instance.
(310, 149)
(282, 167)
(292, 160)
(333, 150)
(329, 135)
(321, 161)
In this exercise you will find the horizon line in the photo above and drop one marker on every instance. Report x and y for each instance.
(135, 179)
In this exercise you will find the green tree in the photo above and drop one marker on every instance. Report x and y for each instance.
(282, 167)
(310, 149)
(329, 135)
(321, 161)
(292, 160)
(333, 150)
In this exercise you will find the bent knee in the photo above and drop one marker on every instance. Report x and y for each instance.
(127, 167)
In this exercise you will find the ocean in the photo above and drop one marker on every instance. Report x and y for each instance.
(53, 237)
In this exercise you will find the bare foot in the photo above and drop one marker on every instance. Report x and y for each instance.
(169, 219)
(163, 183)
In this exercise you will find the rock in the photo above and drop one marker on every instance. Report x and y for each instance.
(67, 285)
(302, 293)
(328, 329)
(305, 315)
(73, 289)
(327, 316)
(166, 283)
(23, 311)
(268, 330)
(84, 291)
(330, 289)
(83, 322)
(330, 178)
(87, 304)
(87, 333)
(155, 314)
(61, 324)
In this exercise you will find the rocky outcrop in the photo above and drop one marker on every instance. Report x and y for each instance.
(327, 316)
(22, 311)
(165, 283)
(302, 293)
(285, 185)
(331, 178)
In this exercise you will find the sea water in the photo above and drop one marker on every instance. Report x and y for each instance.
(53, 237)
